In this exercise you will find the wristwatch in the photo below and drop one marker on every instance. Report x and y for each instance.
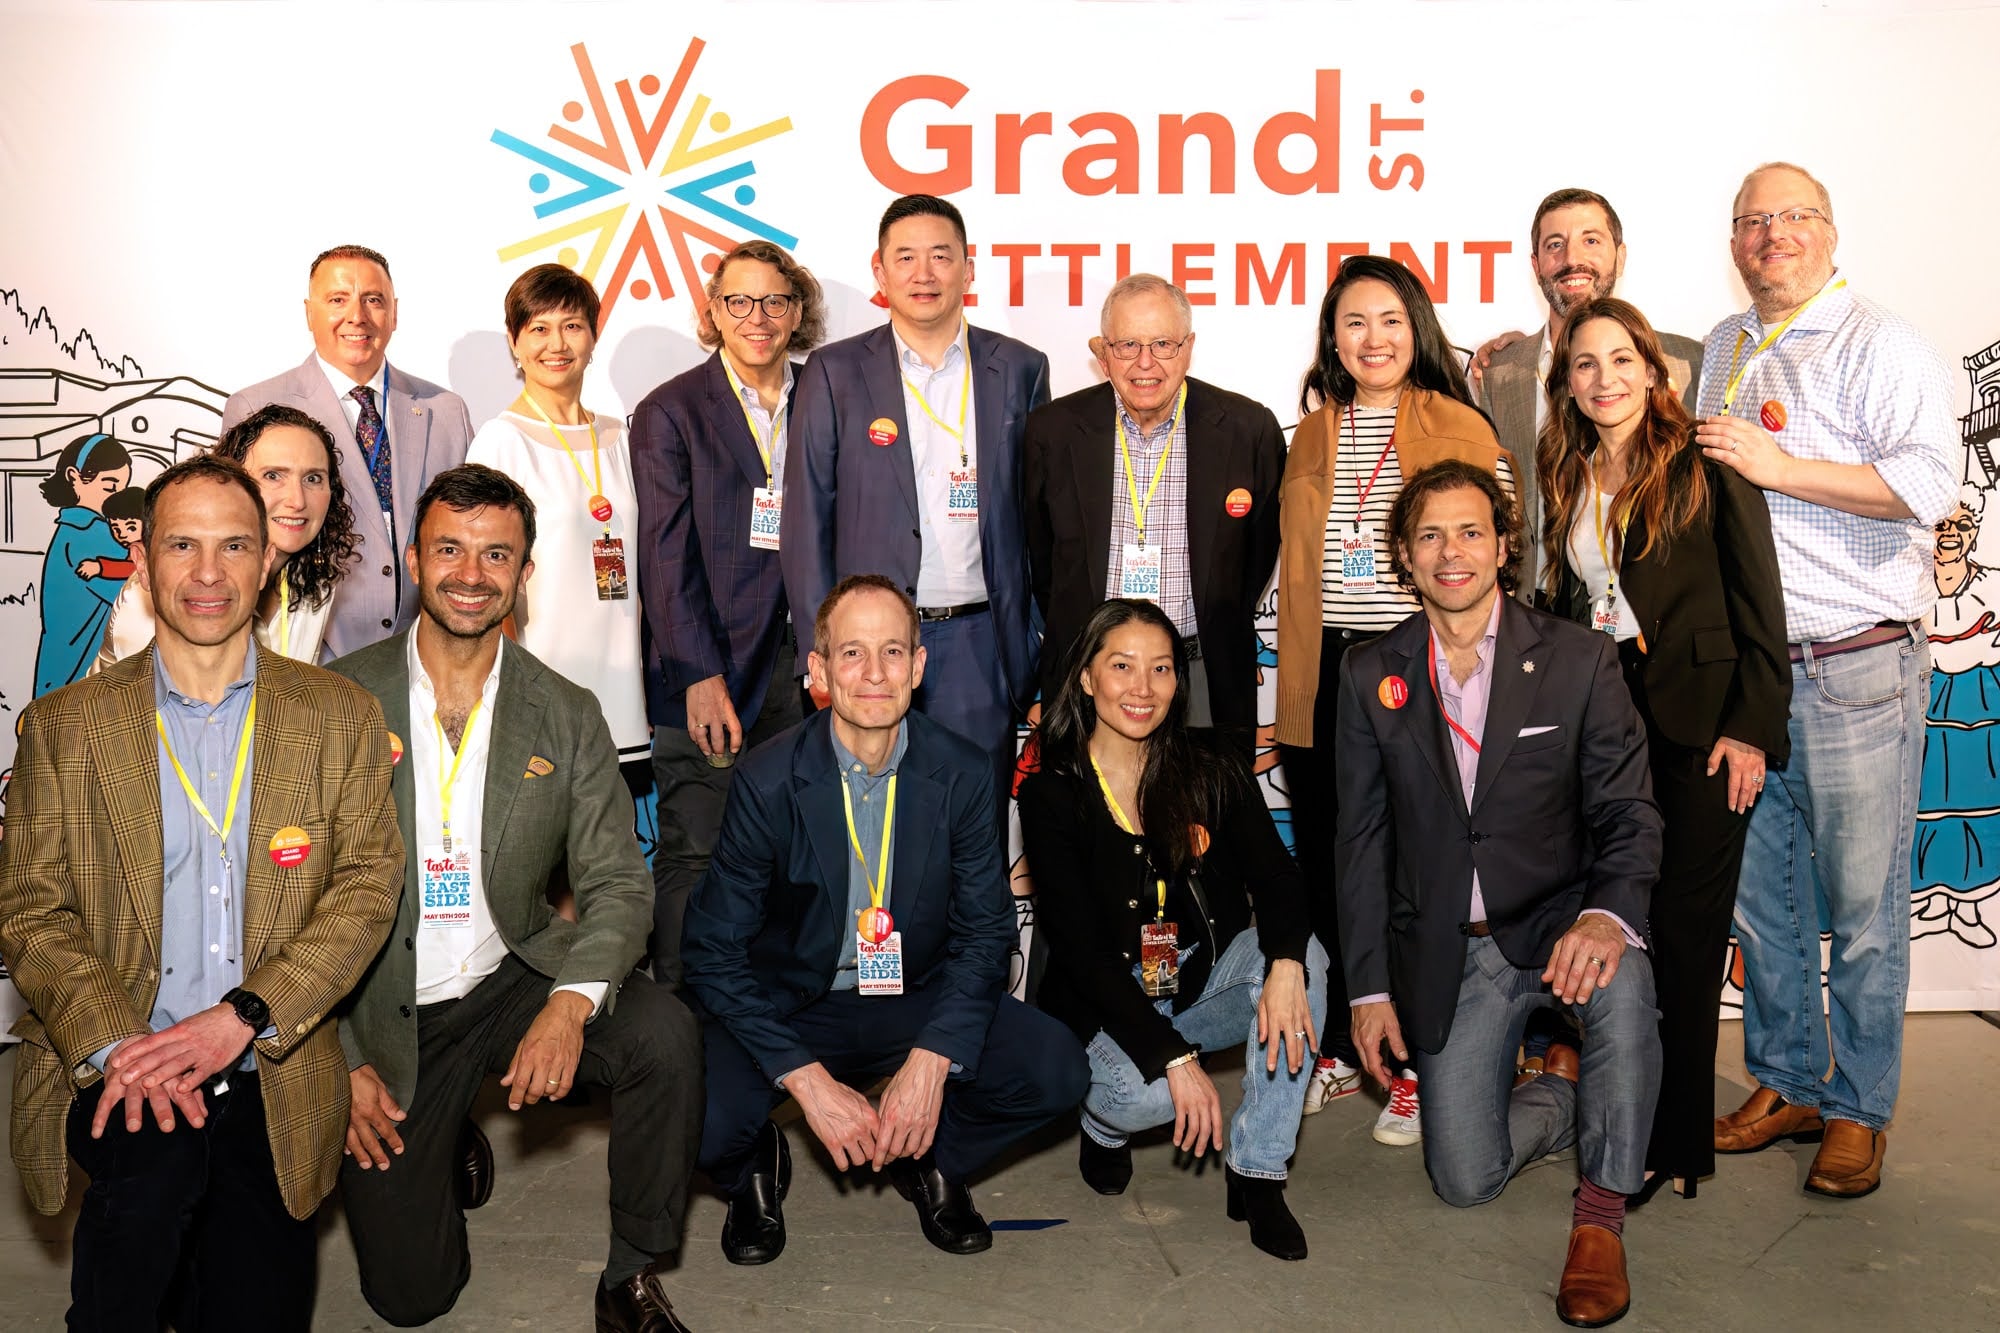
(249, 1007)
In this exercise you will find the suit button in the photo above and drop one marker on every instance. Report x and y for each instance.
(300, 1030)
(409, 943)
(1131, 902)
(405, 1009)
(386, 625)
(918, 533)
(1477, 838)
(1128, 957)
(388, 571)
(911, 591)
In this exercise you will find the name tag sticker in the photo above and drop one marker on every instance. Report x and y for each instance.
(767, 507)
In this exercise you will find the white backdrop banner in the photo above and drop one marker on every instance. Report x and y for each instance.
(167, 171)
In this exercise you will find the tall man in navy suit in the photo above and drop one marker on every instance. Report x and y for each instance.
(854, 923)
(907, 463)
(394, 431)
(708, 458)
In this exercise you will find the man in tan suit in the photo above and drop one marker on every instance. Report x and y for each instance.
(180, 952)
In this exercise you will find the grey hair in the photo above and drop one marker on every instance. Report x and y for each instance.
(1143, 284)
(1825, 199)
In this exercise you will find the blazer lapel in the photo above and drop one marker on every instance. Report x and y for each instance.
(919, 817)
(286, 756)
(1210, 450)
(727, 410)
(118, 728)
(409, 425)
(884, 378)
(1411, 641)
(1093, 455)
(1516, 681)
(517, 720)
(817, 784)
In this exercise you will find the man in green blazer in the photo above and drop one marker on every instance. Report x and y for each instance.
(507, 774)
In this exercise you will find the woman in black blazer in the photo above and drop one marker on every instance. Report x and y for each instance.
(1146, 846)
(1648, 541)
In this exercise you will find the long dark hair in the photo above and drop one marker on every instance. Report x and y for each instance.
(1433, 363)
(1182, 783)
(90, 455)
(313, 572)
(1665, 482)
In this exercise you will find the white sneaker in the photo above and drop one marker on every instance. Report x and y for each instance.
(1331, 1080)
(1400, 1123)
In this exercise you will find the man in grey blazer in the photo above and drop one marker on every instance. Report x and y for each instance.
(505, 773)
(1577, 250)
(394, 431)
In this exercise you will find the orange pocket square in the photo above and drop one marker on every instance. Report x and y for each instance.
(538, 767)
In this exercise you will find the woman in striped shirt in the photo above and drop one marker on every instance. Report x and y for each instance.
(1384, 398)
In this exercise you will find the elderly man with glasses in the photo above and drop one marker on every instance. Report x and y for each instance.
(1161, 487)
(1842, 413)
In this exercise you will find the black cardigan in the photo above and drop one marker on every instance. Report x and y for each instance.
(1093, 890)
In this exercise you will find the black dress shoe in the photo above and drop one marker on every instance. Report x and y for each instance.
(639, 1304)
(944, 1208)
(754, 1231)
(474, 1182)
(1261, 1203)
(1106, 1170)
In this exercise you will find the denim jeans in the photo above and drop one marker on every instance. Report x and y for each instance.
(1830, 849)
(1479, 1129)
(1266, 1126)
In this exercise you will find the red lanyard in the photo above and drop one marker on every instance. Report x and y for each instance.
(1449, 720)
(1380, 459)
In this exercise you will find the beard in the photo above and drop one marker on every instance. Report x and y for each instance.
(464, 624)
(1560, 301)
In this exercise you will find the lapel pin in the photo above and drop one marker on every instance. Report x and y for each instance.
(1528, 668)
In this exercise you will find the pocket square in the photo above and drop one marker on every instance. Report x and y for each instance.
(538, 767)
(1538, 731)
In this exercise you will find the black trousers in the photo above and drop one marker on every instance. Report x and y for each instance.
(408, 1231)
(692, 794)
(1309, 777)
(1031, 1071)
(1689, 935)
(198, 1205)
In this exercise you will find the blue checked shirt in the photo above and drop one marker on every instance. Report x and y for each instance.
(1166, 516)
(1858, 385)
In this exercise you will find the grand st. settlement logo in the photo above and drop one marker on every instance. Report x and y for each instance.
(625, 185)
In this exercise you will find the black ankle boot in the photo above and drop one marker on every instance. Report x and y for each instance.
(1106, 1170)
(1261, 1203)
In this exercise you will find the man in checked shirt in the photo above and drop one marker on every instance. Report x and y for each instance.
(1842, 413)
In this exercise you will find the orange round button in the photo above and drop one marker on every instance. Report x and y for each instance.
(290, 845)
(1237, 503)
(882, 431)
(874, 924)
(395, 749)
(1392, 692)
(1772, 414)
(600, 509)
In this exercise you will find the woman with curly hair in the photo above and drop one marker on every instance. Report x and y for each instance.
(296, 466)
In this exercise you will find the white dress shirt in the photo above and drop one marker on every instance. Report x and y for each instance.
(949, 570)
(451, 962)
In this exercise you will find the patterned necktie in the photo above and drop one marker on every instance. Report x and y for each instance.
(373, 437)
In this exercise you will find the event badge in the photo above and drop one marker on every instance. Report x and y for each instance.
(446, 884)
(1604, 614)
(882, 432)
(1772, 416)
(962, 499)
(290, 846)
(607, 557)
(1159, 958)
(880, 965)
(600, 509)
(1357, 560)
(1139, 572)
(395, 749)
(1237, 503)
(767, 507)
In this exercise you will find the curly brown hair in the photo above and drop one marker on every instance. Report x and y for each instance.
(1450, 475)
(805, 288)
(313, 572)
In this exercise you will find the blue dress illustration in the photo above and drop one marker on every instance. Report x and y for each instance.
(75, 608)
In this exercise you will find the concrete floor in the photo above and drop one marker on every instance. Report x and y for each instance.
(1753, 1252)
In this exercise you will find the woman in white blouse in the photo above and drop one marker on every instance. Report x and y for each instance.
(580, 611)
(292, 458)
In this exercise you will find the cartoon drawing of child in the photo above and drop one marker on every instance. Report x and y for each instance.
(126, 513)
(74, 606)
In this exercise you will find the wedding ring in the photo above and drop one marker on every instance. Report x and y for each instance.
(1597, 962)
(1300, 1035)
(555, 1082)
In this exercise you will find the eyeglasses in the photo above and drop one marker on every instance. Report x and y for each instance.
(1965, 526)
(1750, 223)
(1163, 349)
(776, 305)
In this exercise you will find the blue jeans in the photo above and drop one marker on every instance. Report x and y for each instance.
(1479, 1129)
(1829, 849)
(1266, 1126)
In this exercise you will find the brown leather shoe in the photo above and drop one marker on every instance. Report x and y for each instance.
(1563, 1061)
(1849, 1162)
(1764, 1119)
(1594, 1289)
(639, 1304)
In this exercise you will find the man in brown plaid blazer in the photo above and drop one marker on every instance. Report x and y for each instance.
(180, 955)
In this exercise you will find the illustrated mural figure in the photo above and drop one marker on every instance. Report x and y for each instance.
(1957, 846)
(74, 604)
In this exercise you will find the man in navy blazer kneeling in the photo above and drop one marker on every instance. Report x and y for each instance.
(855, 922)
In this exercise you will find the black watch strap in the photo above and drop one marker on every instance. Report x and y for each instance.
(249, 1007)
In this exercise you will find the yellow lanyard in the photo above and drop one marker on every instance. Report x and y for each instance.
(964, 399)
(1140, 507)
(235, 782)
(596, 479)
(1736, 373)
(764, 447)
(1118, 814)
(1603, 548)
(877, 885)
(457, 756)
(285, 615)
